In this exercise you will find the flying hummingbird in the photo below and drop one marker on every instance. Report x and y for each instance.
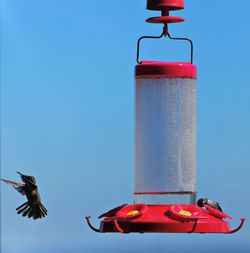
(33, 207)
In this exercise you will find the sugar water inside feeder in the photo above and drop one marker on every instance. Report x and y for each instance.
(165, 169)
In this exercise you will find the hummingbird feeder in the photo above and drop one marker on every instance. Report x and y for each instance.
(165, 146)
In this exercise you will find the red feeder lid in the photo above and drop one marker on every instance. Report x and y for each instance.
(157, 69)
(165, 4)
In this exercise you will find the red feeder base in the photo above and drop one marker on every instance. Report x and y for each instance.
(141, 218)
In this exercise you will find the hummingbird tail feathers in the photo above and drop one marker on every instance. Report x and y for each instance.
(23, 208)
(35, 211)
(23, 205)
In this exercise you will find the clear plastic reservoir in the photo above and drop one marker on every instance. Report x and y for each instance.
(165, 145)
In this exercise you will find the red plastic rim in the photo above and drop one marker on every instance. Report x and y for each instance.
(157, 69)
(165, 4)
(165, 19)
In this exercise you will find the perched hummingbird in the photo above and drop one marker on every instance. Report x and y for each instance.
(33, 207)
(204, 201)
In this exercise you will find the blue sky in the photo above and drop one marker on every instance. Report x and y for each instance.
(67, 117)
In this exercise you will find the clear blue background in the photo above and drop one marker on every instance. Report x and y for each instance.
(68, 117)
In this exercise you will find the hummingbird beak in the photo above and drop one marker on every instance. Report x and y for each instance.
(22, 175)
(24, 178)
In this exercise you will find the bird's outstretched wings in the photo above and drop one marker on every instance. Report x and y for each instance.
(19, 187)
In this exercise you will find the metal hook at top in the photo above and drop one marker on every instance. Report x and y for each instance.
(139, 41)
(191, 45)
(164, 33)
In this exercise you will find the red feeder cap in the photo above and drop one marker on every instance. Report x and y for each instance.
(165, 4)
(157, 69)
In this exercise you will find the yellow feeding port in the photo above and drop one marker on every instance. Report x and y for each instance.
(132, 212)
(186, 213)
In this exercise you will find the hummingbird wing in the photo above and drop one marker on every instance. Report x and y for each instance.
(19, 187)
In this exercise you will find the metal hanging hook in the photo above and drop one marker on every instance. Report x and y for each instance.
(164, 33)
(139, 41)
(191, 45)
